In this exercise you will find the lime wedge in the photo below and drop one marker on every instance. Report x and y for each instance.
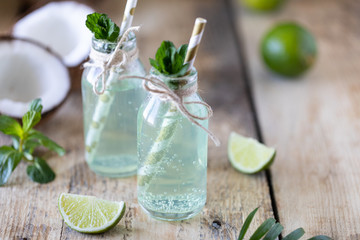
(88, 214)
(247, 155)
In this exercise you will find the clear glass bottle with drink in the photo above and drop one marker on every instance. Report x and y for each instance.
(172, 153)
(110, 119)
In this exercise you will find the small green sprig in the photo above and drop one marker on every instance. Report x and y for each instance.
(25, 140)
(271, 230)
(169, 60)
(102, 27)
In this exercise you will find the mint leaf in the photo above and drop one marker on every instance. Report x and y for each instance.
(263, 229)
(16, 142)
(169, 60)
(36, 106)
(182, 50)
(247, 224)
(295, 235)
(44, 141)
(30, 119)
(102, 27)
(30, 145)
(183, 70)
(9, 159)
(10, 126)
(33, 116)
(274, 232)
(155, 64)
(25, 140)
(40, 171)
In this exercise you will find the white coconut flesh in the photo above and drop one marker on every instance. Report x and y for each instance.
(27, 72)
(61, 27)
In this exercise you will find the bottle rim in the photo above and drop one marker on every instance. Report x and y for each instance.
(176, 83)
(105, 46)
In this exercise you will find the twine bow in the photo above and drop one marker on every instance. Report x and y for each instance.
(107, 62)
(177, 98)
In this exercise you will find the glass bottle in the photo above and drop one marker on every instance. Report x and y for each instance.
(110, 118)
(172, 154)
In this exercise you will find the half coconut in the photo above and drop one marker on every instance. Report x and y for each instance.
(61, 27)
(29, 70)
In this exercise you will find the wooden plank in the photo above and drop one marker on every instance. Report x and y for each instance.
(313, 121)
(231, 195)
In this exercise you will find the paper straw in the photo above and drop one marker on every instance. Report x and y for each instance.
(98, 121)
(128, 15)
(159, 148)
(195, 42)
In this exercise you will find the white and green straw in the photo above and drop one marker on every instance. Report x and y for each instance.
(170, 122)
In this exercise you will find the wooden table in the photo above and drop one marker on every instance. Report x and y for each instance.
(314, 123)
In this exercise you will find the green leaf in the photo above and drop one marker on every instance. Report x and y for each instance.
(320, 237)
(46, 142)
(295, 235)
(9, 159)
(30, 145)
(155, 64)
(30, 119)
(163, 56)
(16, 141)
(102, 27)
(10, 126)
(263, 229)
(177, 63)
(247, 224)
(36, 106)
(182, 50)
(183, 70)
(274, 232)
(40, 171)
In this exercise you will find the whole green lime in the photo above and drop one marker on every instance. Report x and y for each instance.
(262, 5)
(288, 49)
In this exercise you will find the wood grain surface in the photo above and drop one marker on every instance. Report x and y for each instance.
(313, 121)
(29, 210)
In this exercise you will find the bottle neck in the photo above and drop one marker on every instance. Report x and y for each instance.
(107, 47)
(184, 83)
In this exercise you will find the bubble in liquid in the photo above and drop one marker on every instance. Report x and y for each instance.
(129, 102)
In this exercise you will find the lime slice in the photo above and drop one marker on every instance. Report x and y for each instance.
(248, 155)
(88, 214)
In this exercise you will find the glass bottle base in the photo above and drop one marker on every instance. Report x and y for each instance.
(171, 216)
(114, 166)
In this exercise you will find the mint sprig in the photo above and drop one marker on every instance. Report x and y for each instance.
(169, 60)
(102, 27)
(272, 229)
(25, 141)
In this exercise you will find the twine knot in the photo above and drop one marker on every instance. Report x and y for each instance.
(119, 58)
(158, 87)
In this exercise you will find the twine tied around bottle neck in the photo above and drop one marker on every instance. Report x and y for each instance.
(119, 58)
(176, 97)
